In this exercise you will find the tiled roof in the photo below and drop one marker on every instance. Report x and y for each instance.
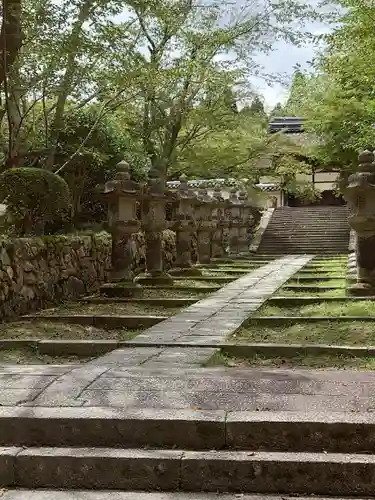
(289, 124)
(268, 187)
(206, 183)
(213, 183)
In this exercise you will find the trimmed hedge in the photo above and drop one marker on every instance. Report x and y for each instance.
(33, 196)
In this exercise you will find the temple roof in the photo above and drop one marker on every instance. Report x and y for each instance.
(288, 124)
(268, 187)
(207, 183)
(223, 183)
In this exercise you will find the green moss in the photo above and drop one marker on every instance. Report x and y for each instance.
(33, 357)
(346, 308)
(39, 329)
(327, 332)
(316, 362)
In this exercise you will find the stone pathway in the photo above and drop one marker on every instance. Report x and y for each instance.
(208, 322)
(213, 319)
(179, 387)
(149, 416)
(162, 367)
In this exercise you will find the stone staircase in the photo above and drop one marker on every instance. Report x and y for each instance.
(311, 230)
(186, 451)
(159, 429)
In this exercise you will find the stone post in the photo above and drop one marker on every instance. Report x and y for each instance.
(219, 245)
(360, 195)
(234, 212)
(206, 226)
(122, 195)
(154, 223)
(185, 226)
(246, 222)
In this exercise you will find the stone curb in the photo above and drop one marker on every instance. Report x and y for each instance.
(316, 278)
(214, 279)
(312, 300)
(163, 301)
(313, 288)
(293, 350)
(101, 320)
(113, 291)
(283, 320)
(138, 495)
(88, 348)
(187, 429)
(171, 470)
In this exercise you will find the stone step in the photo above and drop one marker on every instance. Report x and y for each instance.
(311, 246)
(298, 250)
(284, 240)
(314, 245)
(310, 217)
(317, 277)
(299, 301)
(138, 495)
(286, 236)
(279, 232)
(162, 301)
(171, 470)
(186, 429)
(110, 321)
(293, 233)
(118, 291)
(312, 288)
(292, 320)
(301, 231)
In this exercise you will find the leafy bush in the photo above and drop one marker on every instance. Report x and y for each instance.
(33, 197)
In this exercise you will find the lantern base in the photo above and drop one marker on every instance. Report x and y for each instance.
(185, 271)
(153, 279)
(121, 289)
(361, 290)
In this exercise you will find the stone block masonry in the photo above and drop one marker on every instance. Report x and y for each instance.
(38, 271)
(35, 272)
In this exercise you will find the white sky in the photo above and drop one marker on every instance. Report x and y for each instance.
(282, 60)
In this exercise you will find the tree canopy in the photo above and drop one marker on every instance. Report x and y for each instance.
(338, 98)
(163, 83)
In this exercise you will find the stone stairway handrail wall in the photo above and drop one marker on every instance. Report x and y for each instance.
(265, 220)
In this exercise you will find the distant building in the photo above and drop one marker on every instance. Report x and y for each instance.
(323, 180)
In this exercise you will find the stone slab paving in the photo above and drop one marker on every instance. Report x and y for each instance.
(233, 390)
(217, 316)
(195, 388)
(138, 495)
(209, 321)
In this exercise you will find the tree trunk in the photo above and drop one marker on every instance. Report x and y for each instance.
(14, 115)
(11, 36)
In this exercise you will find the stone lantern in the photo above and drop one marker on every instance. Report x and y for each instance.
(185, 225)
(219, 243)
(154, 223)
(234, 212)
(205, 226)
(360, 195)
(122, 195)
(246, 222)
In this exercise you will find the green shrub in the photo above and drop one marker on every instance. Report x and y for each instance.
(33, 196)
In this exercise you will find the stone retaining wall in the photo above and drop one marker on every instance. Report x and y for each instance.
(35, 272)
